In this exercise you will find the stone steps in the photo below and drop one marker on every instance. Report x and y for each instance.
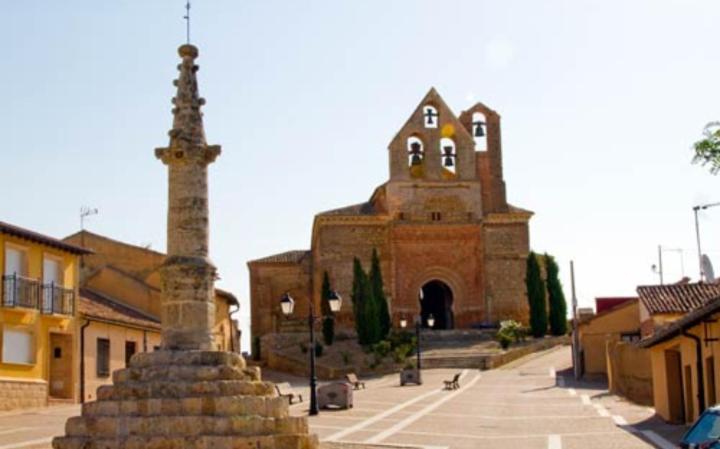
(183, 426)
(289, 441)
(184, 373)
(264, 406)
(164, 389)
(183, 358)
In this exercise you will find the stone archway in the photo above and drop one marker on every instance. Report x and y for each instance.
(437, 299)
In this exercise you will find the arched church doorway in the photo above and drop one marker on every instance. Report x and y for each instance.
(436, 298)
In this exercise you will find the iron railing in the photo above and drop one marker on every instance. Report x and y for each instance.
(57, 300)
(19, 291)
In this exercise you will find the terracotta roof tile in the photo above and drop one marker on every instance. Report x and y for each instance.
(676, 298)
(676, 328)
(101, 307)
(33, 236)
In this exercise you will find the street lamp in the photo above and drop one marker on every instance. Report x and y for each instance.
(696, 209)
(418, 325)
(287, 305)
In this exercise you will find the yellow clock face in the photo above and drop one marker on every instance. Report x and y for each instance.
(447, 130)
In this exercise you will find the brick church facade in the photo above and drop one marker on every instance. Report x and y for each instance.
(449, 243)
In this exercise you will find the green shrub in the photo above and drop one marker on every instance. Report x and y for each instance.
(402, 352)
(556, 298)
(382, 348)
(510, 332)
(328, 322)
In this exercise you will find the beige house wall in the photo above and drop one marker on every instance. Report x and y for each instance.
(607, 327)
(118, 335)
(687, 349)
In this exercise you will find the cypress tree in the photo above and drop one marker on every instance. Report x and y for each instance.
(536, 297)
(358, 299)
(556, 298)
(328, 324)
(371, 313)
(379, 297)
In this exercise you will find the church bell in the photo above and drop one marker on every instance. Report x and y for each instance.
(479, 132)
(449, 161)
(415, 160)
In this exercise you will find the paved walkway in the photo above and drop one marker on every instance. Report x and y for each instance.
(529, 404)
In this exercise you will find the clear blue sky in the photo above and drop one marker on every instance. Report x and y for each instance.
(600, 102)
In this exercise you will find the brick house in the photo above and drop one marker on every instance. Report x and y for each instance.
(441, 225)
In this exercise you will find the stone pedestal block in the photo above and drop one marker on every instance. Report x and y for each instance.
(188, 400)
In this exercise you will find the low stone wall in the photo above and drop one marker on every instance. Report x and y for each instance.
(277, 357)
(629, 372)
(514, 353)
(19, 394)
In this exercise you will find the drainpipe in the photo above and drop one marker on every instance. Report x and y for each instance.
(82, 360)
(701, 376)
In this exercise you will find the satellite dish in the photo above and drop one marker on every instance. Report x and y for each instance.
(707, 269)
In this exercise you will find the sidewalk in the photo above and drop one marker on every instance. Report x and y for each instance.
(635, 418)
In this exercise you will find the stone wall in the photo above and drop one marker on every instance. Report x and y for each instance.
(18, 394)
(630, 372)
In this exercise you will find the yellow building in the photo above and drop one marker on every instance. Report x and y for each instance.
(38, 348)
(685, 356)
(618, 323)
(120, 308)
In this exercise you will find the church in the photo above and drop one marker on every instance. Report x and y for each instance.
(449, 243)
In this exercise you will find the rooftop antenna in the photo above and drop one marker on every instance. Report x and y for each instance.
(84, 213)
(187, 20)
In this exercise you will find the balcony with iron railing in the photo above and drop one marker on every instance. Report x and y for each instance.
(19, 291)
(57, 300)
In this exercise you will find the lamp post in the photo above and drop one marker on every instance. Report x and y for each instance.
(287, 304)
(418, 325)
(696, 209)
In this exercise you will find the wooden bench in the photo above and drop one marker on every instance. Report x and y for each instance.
(285, 390)
(453, 384)
(354, 381)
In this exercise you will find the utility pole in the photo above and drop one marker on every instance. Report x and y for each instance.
(697, 209)
(660, 267)
(575, 335)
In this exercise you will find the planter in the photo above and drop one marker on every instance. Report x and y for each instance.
(410, 376)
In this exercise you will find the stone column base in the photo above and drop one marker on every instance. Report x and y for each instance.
(183, 400)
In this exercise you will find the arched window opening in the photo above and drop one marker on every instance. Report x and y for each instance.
(448, 155)
(479, 131)
(416, 155)
(430, 116)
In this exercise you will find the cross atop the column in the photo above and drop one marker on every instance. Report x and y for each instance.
(187, 20)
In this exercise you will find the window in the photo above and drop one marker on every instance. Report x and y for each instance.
(435, 216)
(430, 116)
(448, 155)
(103, 357)
(17, 347)
(630, 337)
(130, 350)
(15, 261)
(479, 131)
(416, 152)
(57, 353)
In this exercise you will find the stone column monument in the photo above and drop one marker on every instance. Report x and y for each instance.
(186, 395)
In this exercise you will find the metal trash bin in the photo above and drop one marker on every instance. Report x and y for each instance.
(335, 395)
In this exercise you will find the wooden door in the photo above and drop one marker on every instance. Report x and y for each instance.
(61, 379)
(675, 394)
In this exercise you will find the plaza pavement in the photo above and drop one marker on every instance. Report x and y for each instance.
(531, 403)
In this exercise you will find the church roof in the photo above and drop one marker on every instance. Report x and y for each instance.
(365, 208)
(294, 256)
(518, 210)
